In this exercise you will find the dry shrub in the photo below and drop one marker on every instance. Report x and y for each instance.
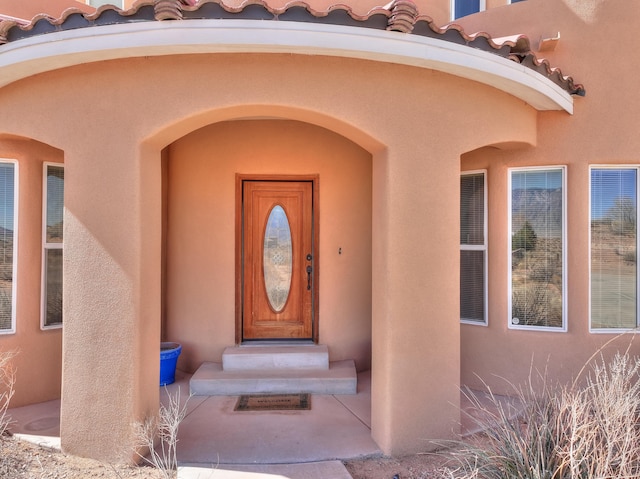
(159, 436)
(562, 432)
(7, 382)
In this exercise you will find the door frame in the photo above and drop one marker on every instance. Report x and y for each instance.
(315, 182)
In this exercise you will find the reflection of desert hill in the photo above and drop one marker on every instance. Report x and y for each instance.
(6, 257)
(613, 274)
(54, 232)
(611, 250)
(6, 276)
(542, 208)
(5, 234)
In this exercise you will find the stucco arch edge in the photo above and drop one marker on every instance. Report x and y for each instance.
(72, 47)
(169, 133)
(18, 142)
(24, 139)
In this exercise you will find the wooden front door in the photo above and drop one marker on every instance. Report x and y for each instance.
(277, 260)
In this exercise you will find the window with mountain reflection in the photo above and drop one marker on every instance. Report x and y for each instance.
(537, 279)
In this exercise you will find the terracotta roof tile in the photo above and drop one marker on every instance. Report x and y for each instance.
(398, 16)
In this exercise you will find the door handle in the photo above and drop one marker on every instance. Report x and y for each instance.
(309, 270)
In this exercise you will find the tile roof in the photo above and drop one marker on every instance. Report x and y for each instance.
(399, 16)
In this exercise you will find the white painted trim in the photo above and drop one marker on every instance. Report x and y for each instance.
(562, 329)
(46, 246)
(52, 51)
(484, 247)
(637, 327)
(14, 279)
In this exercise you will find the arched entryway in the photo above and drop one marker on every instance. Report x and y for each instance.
(201, 275)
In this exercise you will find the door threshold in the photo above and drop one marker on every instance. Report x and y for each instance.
(277, 342)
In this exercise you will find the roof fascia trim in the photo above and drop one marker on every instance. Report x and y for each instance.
(57, 50)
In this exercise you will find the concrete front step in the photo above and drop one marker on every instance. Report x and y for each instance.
(245, 358)
(211, 380)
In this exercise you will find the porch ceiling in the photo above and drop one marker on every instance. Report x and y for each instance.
(391, 34)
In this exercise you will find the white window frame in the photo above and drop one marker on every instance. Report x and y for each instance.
(483, 7)
(510, 324)
(14, 273)
(46, 246)
(484, 247)
(617, 330)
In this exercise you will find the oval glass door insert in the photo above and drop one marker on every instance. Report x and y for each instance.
(277, 258)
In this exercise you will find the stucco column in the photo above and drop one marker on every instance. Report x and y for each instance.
(111, 297)
(415, 330)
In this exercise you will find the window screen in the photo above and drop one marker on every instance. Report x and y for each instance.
(614, 239)
(7, 245)
(473, 248)
(53, 246)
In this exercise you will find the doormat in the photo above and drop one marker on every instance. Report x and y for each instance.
(274, 402)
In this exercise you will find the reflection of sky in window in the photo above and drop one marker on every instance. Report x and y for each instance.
(547, 180)
(607, 185)
(6, 195)
(466, 7)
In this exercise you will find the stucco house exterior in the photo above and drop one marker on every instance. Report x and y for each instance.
(462, 205)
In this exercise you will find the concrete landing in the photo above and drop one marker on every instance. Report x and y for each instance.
(214, 435)
(212, 380)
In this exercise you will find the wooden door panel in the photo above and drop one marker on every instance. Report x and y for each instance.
(292, 317)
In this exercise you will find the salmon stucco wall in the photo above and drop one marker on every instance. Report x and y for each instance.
(38, 360)
(413, 123)
(602, 131)
(201, 277)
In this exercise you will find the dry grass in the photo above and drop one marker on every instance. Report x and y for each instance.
(562, 432)
(7, 381)
(159, 436)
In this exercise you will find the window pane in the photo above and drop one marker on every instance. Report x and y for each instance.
(536, 244)
(613, 248)
(472, 209)
(7, 175)
(55, 203)
(277, 258)
(466, 7)
(99, 3)
(53, 285)
(472, 285)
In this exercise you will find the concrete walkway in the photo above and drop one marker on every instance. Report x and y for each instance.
(217, 442)
(274, 444)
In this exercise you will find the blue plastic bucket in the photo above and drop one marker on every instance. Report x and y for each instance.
(169, 353)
